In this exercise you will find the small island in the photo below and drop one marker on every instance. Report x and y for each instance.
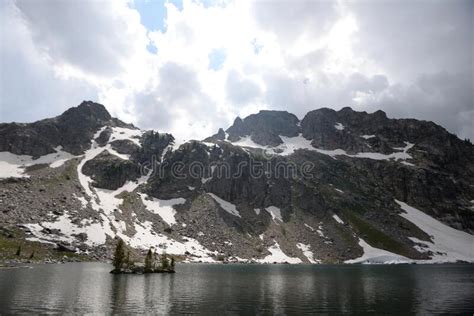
(154, 263)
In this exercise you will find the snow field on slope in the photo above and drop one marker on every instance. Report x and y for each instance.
(227, 206)
(164, 208)
(448, 244)
(12, 165)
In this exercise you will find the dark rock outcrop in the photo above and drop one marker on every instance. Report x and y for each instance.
(220, 135)
(125, 146)
(265, 127)
(109, 171)
(73, 130)
(153, 146)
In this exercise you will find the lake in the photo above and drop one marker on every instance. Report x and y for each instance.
(240, 289)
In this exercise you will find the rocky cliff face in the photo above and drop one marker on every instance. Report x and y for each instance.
(336, 186)
(265, 128)
(72, 130)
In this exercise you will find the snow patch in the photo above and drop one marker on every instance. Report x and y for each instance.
(82, 200)
(164, 208)
(310, 228)
(374, 255)
(278, 256)
(320, 231)
(146, 238)
(94, 231)
(206, 180)
(177, 142)
(401, 155)
(257, 211)
(338, 219)
(275, 212)
(367, 136)
(12, 165)
(448, 244)
(291, 144)
(339, 126)
(246, 141)
(122, 133)
(106, 202)
(227, 206)
(307, 252)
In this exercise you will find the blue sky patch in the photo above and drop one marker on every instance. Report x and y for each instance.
(152, 48)
(257, 47)
(153, 13)
(216, 59)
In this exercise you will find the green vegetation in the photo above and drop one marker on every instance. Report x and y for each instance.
(149, 261)
(164, 262)
(119, 255)
(375, 237)
(220, 257)
(124, 265)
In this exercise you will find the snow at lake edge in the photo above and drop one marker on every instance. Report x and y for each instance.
(448, 244)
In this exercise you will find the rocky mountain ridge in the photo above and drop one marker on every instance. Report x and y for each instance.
(337, 186)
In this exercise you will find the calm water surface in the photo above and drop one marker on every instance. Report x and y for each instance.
(240, 289)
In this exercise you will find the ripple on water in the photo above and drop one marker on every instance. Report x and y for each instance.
(240, 289)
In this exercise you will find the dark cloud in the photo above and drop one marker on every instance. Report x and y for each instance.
(29, 88)
(360, 83)
(444, 98)
(427, 48)
(84, 34)
(300, 95)
(423, 50)
(411, 37)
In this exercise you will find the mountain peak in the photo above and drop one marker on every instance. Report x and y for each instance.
(265, 127)
(87, 109)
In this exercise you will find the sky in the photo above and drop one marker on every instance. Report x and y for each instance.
(189, 67)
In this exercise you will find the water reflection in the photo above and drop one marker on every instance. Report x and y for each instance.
(440, 292)
(239, 289)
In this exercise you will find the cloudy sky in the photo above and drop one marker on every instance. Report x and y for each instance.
(189, 67)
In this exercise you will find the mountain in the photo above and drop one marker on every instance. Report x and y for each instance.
(336, 186)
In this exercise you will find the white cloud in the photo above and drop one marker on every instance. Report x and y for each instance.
(294, 55)
(30, 89)
(91, 36)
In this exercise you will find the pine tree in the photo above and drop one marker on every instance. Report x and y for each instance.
(18, 251)
(32, 255)
(127, 260)
(164, 261)
(172, 263)
(155, 259)
(149, 261)
(119, 255)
